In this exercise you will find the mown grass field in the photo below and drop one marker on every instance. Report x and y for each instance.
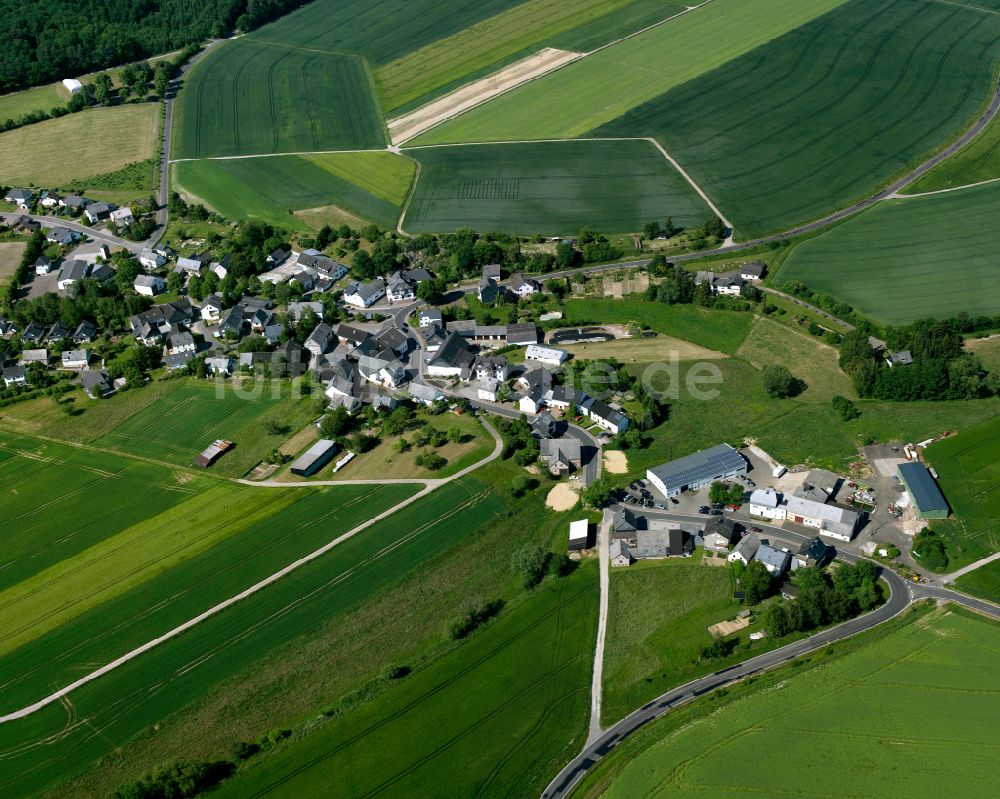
(371, 186)
(510, 726)
(74, 147)
(828, 112)
(934, 674)
(723, 331)
(517, 31)
(806, 357)
(983, 582)
(180, 423)
(323, 629)
(977, 161)
(41, 98)
(659, 348)
(968, 466)
(550, 187)
(658, 612)
(10, 257)
(987, 350)
(248, 98)
(909, 259)
(601, 87)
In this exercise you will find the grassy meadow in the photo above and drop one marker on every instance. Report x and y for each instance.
(41, 98)
(932, 257)
(59, 151)
(933, 671)
(248, 98)
(10, 257)
(596, 89)
(371, 186)
(968, 466)
(550, 187)
(982, 582)
(987, 350)
(828, 112)
(977, 161)
(512, 727)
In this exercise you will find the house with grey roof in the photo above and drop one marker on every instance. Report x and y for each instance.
(620, 554)
(523, 287)
(424, 393)
(902, 358)
(453, 359)
(560, 455)
(95, 212)
(321, 340)
(697, 470)
(775, 560)
(745, 550)
(62, 235)
(492, 271)
(830, 519)
(75, 359)
(488, 290)
(429, 316)
(662, 543)
(813, 552)
(753, 270)
(96, 383)
(85, 332)
(624, 523)
(543, 425)
(149, 285)
(14, 376)
(72, 271)
(362, 295)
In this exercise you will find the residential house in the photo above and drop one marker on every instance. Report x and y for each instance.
(399, 289)
(75, 359)
(488, 291)
(321, 340)
(352, 336)
(62, 235)
(487, 390)
(34, 356)
(179, 360)
(74, 203)
(219, 366)
(813, 552)
(14, 376)
(429, 316)
(532, 401)
(221, 268)
(620, 554)
(662, 543)
(453, 359)
(547, 355)
(190, 266)
(33, 333)
(492, 271)
(560, 455)
(149, 285)
(211, 309)
(608, 418)
(543, 425)
(96, 383)
(298, 309)
(43, 265)
(85, 332)
(394, 339)
(433, 336)
(7, 328)
(624, 523)
(122, 217)
(568, 399)
(421, 392)
(523, 287)
(232, 324)
(278, 257)
(745, 550)
(730, 283)
(493, 367)
(721, 533)
(181, 342)
(765, 503)
(95, 212)
(102, 272)
(753, 270)
(362, 295)
(50, 199)
(904, 358)
(56, 333)
(72, 271)
(20, 197)
(150, 260)
(536, 378)
(776, 561)
(697, 470)
(523, 333)
(150, 327)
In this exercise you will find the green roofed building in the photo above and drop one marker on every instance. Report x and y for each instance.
(927, 497)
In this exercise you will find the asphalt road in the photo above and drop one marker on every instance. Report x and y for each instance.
(901, 595)
(96, 235)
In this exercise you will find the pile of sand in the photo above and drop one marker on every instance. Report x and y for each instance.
(615, 461)
(563, 496)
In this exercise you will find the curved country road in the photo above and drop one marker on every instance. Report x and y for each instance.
(430, 485)
(902, 595)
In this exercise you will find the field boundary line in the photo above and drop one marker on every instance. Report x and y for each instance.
(696, 187)
(969, 6)
(275, 155)
(58, 696)
(528, 82)
(898, 196)
(409, 194)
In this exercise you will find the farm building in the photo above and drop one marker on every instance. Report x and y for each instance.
(550, 356)
(662, 543)
(211, 454)
(314, 458)
(831, 520)
(72, 85)
(765, 503)
(579, 532)
(927, 497)
(619, 553)
(697, 470)
(522, 333)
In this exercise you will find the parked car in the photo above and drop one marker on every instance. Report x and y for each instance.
(649, 503)
(715, 512)
(660, 506)
(675, 500)
(732, 507)
(703, 511)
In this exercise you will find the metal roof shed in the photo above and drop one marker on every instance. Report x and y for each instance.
(314, 458)
(928, 498)
(697, 470)
(578, 534)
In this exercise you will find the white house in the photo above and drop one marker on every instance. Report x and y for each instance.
(50, 199)
(123, 216)
(71, 272)
(745, 550)
(95, 212)
(766, 504)
(151, 260)
(547, 355)
(43, 265)
(191, 266)
(211, 309)
(362, 295)
(776, 561)
(752, 271)
(607, 418)
(75, 359)
(522, 286)
(532, 401)
(487, 390)
(149, 285)
(219, 366)
(20, 197)
(429, 316)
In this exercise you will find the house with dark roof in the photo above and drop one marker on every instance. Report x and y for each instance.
(488, 290)
(354, 336)
(95, 212)
(72, 271)
(33, 333)
(624, 523)
(543, 425)
(43, 265)
(491, 367)
(813, 552)
(902, 358)
(522, 333)
(753, 270)
(85, 332)
(662, 544)
(523, 287)
(321, 340)
(429, 316)
(745, 550)
(620, 554)
(20, 197)
(96, 382)
(453, 359)
(560, 455)
(14, 376)
(608, 418)
(56, 333)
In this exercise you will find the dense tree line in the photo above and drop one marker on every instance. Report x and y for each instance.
(48, 40)
(825, 599)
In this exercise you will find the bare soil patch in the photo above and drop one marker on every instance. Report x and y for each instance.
(615, 461)
(563, 496)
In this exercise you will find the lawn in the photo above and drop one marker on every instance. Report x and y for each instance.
(658, 612)
(603, 86)
(808, 358)
(511, 726)
(41, 98)
(249, 98)
(977, 161)
(524, 28)
(984, 581)
(928, 257)
(968, 466)
(103, 140)
(385, 462)
(317, 635)
(550, 187)
(10, 257)
(178, 424)
(828, 112)
(644, 350)
(935, 674)
(723, 331)
(987, 350)
(371, 186)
